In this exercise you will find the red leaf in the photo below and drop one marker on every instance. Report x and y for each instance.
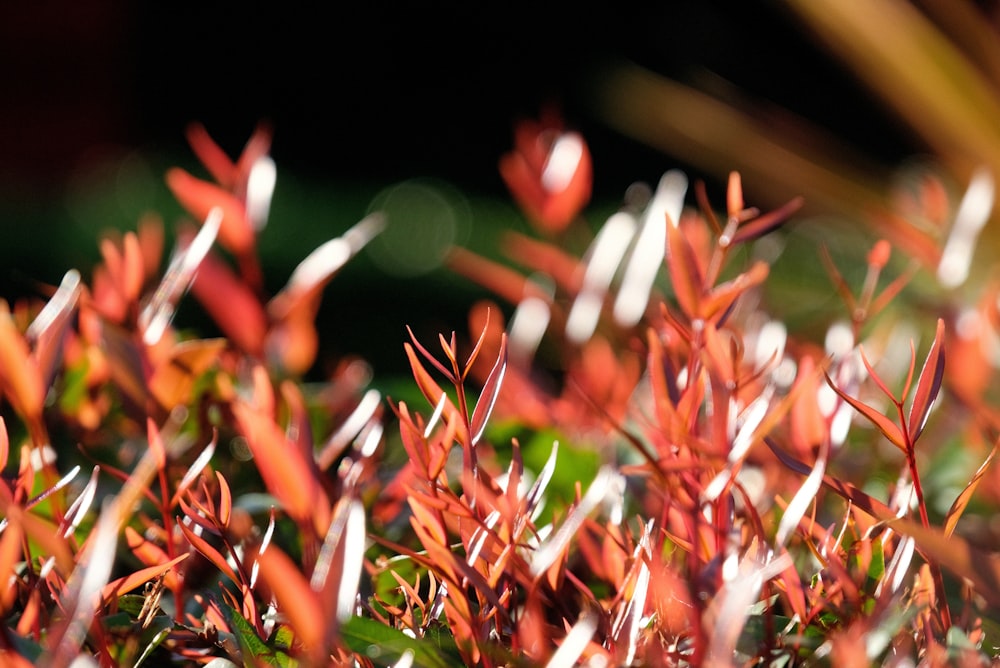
(199, 197)
(130, 582)
(888, 428)
(215, 160)
(859, 499)
(722, 296)
(209, 552)
(928, 385)
(685, 275)
(761, 225)
(432, 392)
(232, 304)
(488, 397)
(295, 598)
(286, 472)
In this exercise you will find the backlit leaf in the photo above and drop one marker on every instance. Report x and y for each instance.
(962, 500)
(685, 274)
(928, 386)
(488, 397)
(207, 551)
(126, 584)
(888, 428)
(199, 197)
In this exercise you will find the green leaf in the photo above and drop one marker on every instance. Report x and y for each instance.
(256, 651)
(161, 627)
(384, 645)
(876, 567)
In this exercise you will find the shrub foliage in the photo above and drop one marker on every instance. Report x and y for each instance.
(644, 466)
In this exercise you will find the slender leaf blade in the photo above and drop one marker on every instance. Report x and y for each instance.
(888, 428)
(928, 386)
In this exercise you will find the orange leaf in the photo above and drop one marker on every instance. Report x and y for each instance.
(145, 551)
(10, 555)
(209, 552)
(546, 258)
(888, 428)
(4, 444)
(734, 195)
(720, 298)
(287, 474)
(211, 155)
(225, 500)
(503, 281)
(233, 306)
(199, 197)
(808, 426)
(130, 582)
(22, 382)
(761, 225)
(962, 500)
(433, 392)
(685, 274)
(296, 599)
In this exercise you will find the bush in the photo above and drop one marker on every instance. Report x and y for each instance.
(632, 471)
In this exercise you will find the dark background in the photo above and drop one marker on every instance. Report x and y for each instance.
(360, 96)
(381, 92)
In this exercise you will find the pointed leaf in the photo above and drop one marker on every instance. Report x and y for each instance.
(845, 490)
(19, 374)
(433, 392)
(199, 197)
(211, 155)
(685, 274)
(287, 473)
(721, 297)
(928, 386)
(878, 379)
(839, 283)
(888, 428)
(761, 225)
(232, 304)
(491, 390)
(129, 582)
(209, 552)
(295, 598)
(958, 506)
(225, 500)
(48, 330)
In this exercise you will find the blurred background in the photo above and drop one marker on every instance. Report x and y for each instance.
(825, 99)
